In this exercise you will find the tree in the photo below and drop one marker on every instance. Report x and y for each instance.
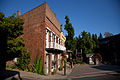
(61, 28)
(11, 41)
(95, 43)
(24, 60)
(70, 36)
(100, 37)
(89, 35)
(95, 38)
(107, 34)
(85, 43)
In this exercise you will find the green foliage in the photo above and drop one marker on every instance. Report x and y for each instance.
(88, 44)
(64, 58)
(38, 66)
(31, 68)
(11, 42)
(85, 43)
(61, 67)
(107, 34)
(11, 66)
(83, 63)
(55, 14)
(54, 71)
(96, 43)
(24, 60)
(74, 61)
(70, 42)
(100, 37)
(61, 28)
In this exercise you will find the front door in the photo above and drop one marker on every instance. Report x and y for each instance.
(47, 64)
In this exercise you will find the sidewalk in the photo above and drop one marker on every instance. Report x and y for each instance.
(78, 71)
(23, 75)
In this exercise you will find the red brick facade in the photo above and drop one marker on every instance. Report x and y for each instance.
(34, 31)
(41, 28)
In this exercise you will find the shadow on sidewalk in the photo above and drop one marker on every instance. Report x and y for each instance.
(107, 67)
(9, 74)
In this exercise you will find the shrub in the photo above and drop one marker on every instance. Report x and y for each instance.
(83, 63)
(74, 61)
(38, 68)
(54, 71)
(31, 68)
(11, 66)
(23, 61)
(61, 67)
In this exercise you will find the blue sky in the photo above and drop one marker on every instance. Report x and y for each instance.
(93, 16)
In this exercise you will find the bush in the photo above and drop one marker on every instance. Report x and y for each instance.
(31, 68)
(74, 61)
(11, 66)
(24, 60)
(54, 71)
(83, 63)
(61, 67)
(37, 67)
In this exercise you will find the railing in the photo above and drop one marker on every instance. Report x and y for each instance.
(55, 46)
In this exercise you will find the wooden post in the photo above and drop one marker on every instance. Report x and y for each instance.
(64, 67)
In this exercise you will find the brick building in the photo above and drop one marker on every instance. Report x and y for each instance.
(43, 36)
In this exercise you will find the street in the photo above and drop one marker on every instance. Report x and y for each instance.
(95, 72)
(102, 77)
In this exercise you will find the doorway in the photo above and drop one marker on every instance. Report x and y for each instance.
(47, 64)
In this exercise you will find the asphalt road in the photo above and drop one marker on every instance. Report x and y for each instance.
(101, 77)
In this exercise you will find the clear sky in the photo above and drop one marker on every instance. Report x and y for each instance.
(93, 16)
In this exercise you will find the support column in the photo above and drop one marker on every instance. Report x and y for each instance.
(60, 59)
(50, 63)
(44, 62)
(57, 61)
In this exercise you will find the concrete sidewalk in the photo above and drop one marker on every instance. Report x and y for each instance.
(23, 75)
(77, 71)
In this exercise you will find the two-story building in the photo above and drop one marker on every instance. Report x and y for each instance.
(43, 37)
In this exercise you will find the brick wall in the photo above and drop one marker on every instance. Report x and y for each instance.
(35, 23)
(34, 31)
(51, 21)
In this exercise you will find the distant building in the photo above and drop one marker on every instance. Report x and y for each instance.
(43, 36)
(94, 58)
(110, 49)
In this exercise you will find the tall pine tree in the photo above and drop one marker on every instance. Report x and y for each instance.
(70, 44)
(100, 37)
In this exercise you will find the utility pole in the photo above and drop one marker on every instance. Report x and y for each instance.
(64, 67)
(64, 64)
